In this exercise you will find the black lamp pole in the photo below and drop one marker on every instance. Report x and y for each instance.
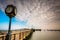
(8, 36)
(11, 12)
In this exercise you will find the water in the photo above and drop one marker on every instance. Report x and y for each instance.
(45, 35)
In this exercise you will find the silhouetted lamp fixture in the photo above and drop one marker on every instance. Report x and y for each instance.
(10, 12)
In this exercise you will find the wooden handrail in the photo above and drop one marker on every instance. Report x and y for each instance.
(21, 35)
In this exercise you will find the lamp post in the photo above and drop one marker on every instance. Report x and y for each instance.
(10, 12)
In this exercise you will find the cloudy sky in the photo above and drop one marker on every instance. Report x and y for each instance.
(44, 14)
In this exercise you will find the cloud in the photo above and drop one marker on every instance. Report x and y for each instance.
(5, 26)
(38, 13)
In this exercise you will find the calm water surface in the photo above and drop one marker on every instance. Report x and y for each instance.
(45, 35)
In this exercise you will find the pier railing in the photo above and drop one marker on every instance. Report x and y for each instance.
(17, 35)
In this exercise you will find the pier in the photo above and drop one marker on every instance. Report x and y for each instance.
(17, 35)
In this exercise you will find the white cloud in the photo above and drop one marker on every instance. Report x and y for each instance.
(5, 26)
(37, 13)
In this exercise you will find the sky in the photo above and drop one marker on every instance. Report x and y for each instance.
(4, 22)
(42, 14)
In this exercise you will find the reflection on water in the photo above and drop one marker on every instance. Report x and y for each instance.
(45, 35)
